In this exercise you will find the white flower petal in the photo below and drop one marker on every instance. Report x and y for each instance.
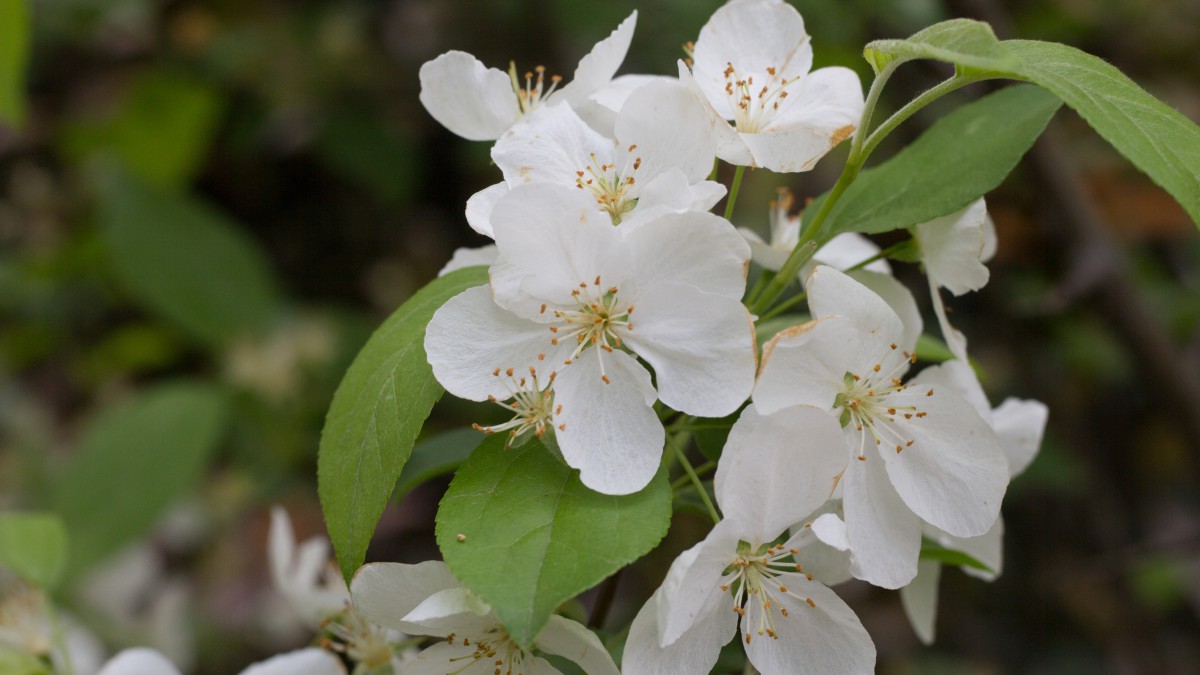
(614, 94)
(765, 255)
(730, 146)
(806, 365)
(670, 192)
(463, 659)
(608, 431)
(550, 145)
(310, 661)
(450, 611)
(470, 337)
(470, 257)
(813, 639)
(900, 299)
(670, 128)
(987, 548)
(825, 552)
(953, 247)
(753, 37)
(386, 592)
(821, 111)
(832, 292)
(700, 345)
(698, 249)
(884, 535)
(554, 238)
(573, 641)
(777, 469)
(694, 577)
(956, 342)
(954, 474)
(920, 599)
(597, 68)
(847, 250)
(468, 98)
(139, 661)
(480, 205)
(1019, 424)
(961, 378)
(695, 651)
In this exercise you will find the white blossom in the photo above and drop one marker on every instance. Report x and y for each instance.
(751, 64)
(913, 453)
(574, 301)
(481, 103)
(769, 477)
(310, 661)
(426, 599)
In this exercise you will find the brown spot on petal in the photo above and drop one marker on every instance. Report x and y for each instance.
(841, 134)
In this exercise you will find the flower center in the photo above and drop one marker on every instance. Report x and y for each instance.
(612, 186)
(757, 587)
(350, 633)
(531, 402)
(534, 92)
(496, 648)
(597, 319)
(867, 404)
(755, 104)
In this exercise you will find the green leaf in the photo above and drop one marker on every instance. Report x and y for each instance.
(135, 460)
(34, 545)
(185, 261)
(522, 532)
(14, 662)
(1159, 140)
(956, 161)
(962, 42)
(375, 417)
(14, 58)
(161, 130)
(932, 349)
(947, 556)
(436, 456)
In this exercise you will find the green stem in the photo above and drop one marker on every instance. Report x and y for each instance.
(783, 307)
(700, 470)
(759, 285)
(695, 479)
(712, 175)
(733, 191)
(925, 98)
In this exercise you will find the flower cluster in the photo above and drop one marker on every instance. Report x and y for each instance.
(615, 301)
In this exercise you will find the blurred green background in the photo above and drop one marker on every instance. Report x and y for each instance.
(205, 208)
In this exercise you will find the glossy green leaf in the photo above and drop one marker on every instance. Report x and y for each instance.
(1158, 139)
(134, 460)
(161, 130)
(376, 415)
(185, 261)
(436, 456)
(959, 41)
(34, 545)
(522, 532)
(14, 58)
(956, 161)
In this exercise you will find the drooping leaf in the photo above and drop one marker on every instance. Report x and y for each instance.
(135, 460)
(161, 130)
(14, 57)
(186, 261)
(34, 545)
(522, 532)
(959, 41)
(375, 417)
(956, 161)
(1158, 139)
(436, 456)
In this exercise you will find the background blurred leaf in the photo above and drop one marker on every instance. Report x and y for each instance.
(185, 260)
(956, 161)
(34, 545)
(20, 663)
(161, 131)
(535, 535)
(436, 456)
(135, 460)
(375, 416)
(364, 151)
(14, 58)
